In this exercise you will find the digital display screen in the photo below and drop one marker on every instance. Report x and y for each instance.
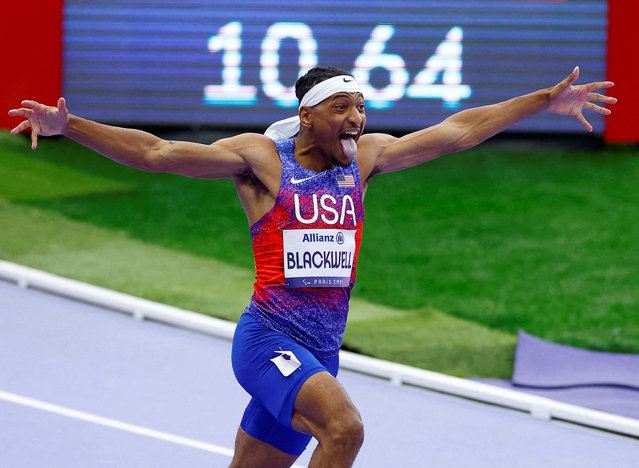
(235, 63)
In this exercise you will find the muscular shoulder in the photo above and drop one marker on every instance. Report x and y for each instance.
(370, 147)
(262, 168)
(249, 146)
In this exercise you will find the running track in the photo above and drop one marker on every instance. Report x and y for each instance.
(81, 386)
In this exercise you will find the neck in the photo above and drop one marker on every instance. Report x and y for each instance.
(309, 155)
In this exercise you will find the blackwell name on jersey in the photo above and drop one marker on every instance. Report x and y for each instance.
(319, 259)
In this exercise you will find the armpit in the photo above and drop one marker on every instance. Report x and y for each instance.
(248, 177)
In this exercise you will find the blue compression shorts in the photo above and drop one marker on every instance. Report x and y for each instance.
(268, 415)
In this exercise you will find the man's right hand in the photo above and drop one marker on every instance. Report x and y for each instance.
(43, 120)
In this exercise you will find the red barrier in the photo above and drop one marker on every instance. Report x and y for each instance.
(32, 54)
(623, 69)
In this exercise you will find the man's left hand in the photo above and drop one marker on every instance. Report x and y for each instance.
(566, 98)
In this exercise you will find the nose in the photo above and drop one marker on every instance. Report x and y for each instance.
(355, 117)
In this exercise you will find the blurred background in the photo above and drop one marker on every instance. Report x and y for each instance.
(534, 230)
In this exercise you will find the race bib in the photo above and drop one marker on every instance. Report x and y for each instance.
(318, 258)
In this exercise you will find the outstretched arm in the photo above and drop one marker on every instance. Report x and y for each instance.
(135, 148)
(472, 126)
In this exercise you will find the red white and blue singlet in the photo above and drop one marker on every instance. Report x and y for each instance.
(306, 251)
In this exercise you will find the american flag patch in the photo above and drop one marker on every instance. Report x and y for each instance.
(345, 181)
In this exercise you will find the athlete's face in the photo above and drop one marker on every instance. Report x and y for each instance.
(338, 122)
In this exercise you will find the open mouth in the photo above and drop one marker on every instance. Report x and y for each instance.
(350, 134)
(349, 145)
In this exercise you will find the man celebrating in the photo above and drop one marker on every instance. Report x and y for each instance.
(302, 188)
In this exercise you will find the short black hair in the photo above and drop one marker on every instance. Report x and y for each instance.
(314, 76)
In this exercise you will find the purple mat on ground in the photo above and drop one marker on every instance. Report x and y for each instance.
(623, 401)
(603, 381)
(542, 364)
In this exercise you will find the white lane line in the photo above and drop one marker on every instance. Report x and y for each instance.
(115, 424)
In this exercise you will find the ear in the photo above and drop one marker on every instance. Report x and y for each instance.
(306, 117)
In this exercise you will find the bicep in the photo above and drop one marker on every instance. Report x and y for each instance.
(394, 154)
(216, 161)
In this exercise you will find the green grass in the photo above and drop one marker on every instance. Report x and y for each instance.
(458, 254)
(548, 243)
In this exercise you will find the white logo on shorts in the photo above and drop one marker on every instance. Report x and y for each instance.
(286, 362)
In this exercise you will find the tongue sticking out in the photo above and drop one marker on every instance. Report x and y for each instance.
(349, 145)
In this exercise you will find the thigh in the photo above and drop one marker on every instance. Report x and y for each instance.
(261, 425)
(252, 452)
(320, 402)
(272, 367)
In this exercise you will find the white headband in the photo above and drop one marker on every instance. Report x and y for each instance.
(288, 128)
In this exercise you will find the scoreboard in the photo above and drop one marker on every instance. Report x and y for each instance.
(234, 63)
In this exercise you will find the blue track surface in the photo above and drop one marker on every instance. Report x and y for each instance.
(143, 376)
